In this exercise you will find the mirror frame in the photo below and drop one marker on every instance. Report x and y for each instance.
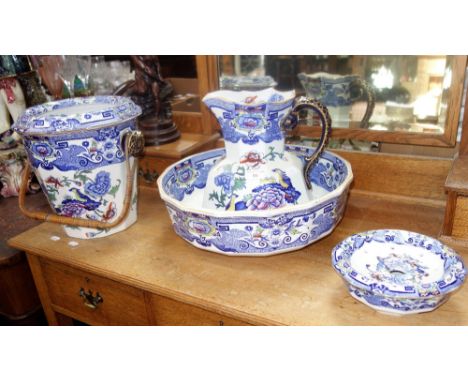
(209, 71)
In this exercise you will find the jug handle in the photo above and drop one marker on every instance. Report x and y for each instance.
(134, 143)
(310, 103)
(370, 95)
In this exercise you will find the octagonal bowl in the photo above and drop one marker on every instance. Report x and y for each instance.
(258, 232)
(398, 272)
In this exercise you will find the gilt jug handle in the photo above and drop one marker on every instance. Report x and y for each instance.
(304, 103)
(365, 89)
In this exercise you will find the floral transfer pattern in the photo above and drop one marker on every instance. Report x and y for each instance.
(76, 151)
(398, 269)
(251, 235)
(329, 173)
(83, 196)
(271, 195)
(49, 118)
(387, 278)
(274, 192)
(233, 235)
(397, 305)
(188, 176)
(250, 124)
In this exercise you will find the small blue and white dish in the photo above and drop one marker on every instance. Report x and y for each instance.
(398, 272)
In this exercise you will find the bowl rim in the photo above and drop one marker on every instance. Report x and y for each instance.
(253, 214)
(425, 291)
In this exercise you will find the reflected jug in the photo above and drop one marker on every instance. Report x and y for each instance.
(338, 93)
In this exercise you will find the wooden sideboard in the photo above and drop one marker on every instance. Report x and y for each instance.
(147, 275)
(19, 301)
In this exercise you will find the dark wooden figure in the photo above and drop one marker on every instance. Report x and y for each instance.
(150, 91)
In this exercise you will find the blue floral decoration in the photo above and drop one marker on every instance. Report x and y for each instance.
(42, 149)
(224, 180)
(100, 186)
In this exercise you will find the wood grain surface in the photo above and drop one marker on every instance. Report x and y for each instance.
(457, 178)
(460, 218)
(404, 175)
(188, 122)
(297, 288)
(121, 305)
(187, 144)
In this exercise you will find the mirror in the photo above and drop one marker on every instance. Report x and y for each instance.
(401, 96)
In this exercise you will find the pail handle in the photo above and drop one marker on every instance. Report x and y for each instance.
(325, 121)
(134, 143)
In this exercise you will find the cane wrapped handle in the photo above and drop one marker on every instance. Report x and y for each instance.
(325, 122)
(134, 143)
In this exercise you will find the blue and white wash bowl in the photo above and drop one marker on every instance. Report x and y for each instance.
(81, 152)
(398, 272)
(258, 196)
(253, 231)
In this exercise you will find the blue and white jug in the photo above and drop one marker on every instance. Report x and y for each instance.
(257, 173)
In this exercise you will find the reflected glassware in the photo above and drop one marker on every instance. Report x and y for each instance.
(98, 75)
(107, 76)
(247, 83)
(81, 79)
(74, 72)
(7, 67)
(48, 69)
(67, 72)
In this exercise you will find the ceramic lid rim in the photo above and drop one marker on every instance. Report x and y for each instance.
(123, 110)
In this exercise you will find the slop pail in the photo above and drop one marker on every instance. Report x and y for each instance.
(83, 152)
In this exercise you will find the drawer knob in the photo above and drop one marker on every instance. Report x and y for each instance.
(89, 300)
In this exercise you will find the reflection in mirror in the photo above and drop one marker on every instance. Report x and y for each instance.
(380, 93)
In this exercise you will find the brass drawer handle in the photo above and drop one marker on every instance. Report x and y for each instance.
(89, 300)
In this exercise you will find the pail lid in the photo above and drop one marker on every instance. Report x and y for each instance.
(76, 115)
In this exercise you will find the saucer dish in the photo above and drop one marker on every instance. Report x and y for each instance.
(398, 272)
(254, 231)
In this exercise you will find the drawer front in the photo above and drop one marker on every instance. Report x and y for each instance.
(77, 293)
(170, 312)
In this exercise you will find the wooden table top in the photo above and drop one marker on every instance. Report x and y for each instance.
(296, 288)
(187, 144)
